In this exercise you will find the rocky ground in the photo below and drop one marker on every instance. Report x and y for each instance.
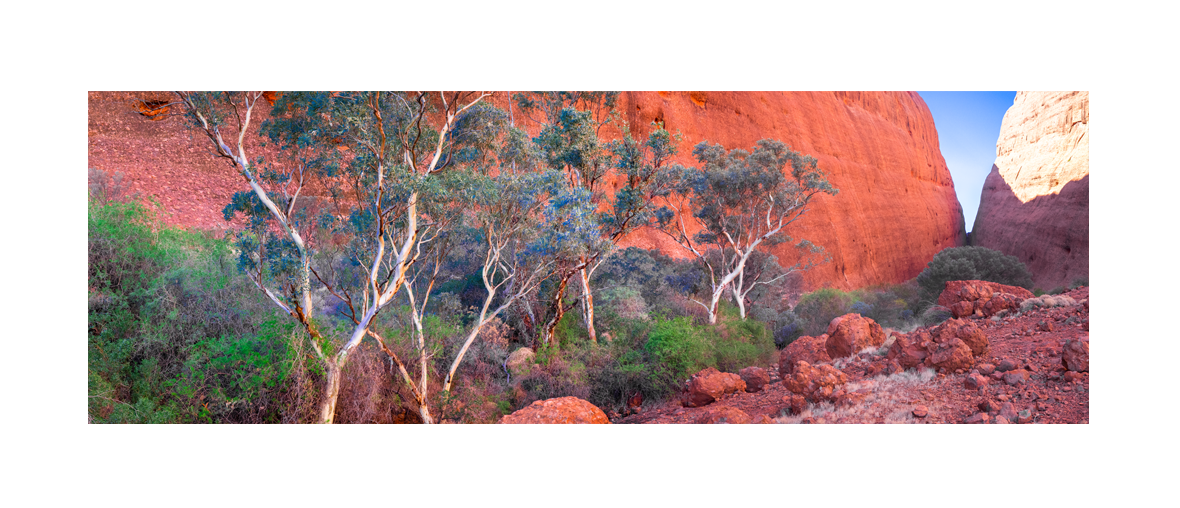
(1020, 379)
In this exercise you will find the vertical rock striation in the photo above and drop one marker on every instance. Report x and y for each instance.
(1036, 200)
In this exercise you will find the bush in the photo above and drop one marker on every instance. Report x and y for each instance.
(681, 347)
(742, 343)
(971, 263)
(818, 308)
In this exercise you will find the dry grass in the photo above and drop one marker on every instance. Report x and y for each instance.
(890, 400)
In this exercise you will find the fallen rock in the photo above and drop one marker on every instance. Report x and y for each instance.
(1007, 410)
(975, 382)
(920, 412)
(1075, 356)
(559, 410)
(724, 414)
(851, 333)
(978, 293)
(978, 418)
(1001, 420)
(986, 368)
(965, 331)
(814, 383)
(755, 378)
(907, 351)
(709, 385)
(950, 355)
(1024, 416)
(1006, 364)
(1016, 377)
(808, 349)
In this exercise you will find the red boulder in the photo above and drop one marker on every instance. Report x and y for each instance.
(851, 333)
(709, 385)
(559, 410)
(812, 350)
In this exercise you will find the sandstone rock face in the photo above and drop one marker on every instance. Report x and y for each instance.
(709, 385)
(559, 410)
(895, 210)
(851, 333)
(804, 349)
(879, 148)
(1036, 200)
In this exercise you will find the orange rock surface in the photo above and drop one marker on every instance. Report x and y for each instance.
(1036, 200)
(895, 210)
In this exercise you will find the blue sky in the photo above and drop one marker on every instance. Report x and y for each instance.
(968, 125)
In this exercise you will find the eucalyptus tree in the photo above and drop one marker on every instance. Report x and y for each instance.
(378, 156)
(571, 142)
(743, 201)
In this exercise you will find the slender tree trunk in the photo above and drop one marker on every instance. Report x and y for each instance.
(331, 393)
(588, 306)
(558, 307)
(713, 304)
(741, 303)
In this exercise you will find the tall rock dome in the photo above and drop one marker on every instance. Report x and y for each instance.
(1036, 200)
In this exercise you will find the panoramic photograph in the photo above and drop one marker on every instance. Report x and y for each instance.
(605, 257)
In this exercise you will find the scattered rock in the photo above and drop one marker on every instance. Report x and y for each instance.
(989, 406)
(808, 349)
(1006, 365)
(1045, 326)
(1007, 410)
(724, 414)
(755, 378)
(1015, 377)
(559, 410)
(920, 412)
(851, 333)
(978, 418)
(1024, 416)
(709, 385)
(1000, 420)
(975, 382)
(986, 368)
(1075, 356)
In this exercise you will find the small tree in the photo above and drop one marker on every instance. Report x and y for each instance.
(743, 201)
(570, 142)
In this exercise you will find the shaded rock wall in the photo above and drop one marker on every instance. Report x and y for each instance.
(895, 210)
(1035, 203)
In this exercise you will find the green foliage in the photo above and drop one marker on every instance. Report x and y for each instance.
(818, 308)
(681, 347)
(971, 263)
(742, 343)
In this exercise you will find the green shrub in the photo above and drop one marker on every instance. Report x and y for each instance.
(742, 343)
(681, 347)
(818, 308)
(971, 263)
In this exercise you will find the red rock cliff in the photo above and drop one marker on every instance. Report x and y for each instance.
(897, 205)
(895, 210)
(1036, 200)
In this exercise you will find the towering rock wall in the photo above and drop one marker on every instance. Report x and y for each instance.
(895, 210)
(897, 205)
(1036, 200)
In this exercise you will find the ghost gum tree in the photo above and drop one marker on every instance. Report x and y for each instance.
(744, 201)
(571, 142)
(379, 156)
